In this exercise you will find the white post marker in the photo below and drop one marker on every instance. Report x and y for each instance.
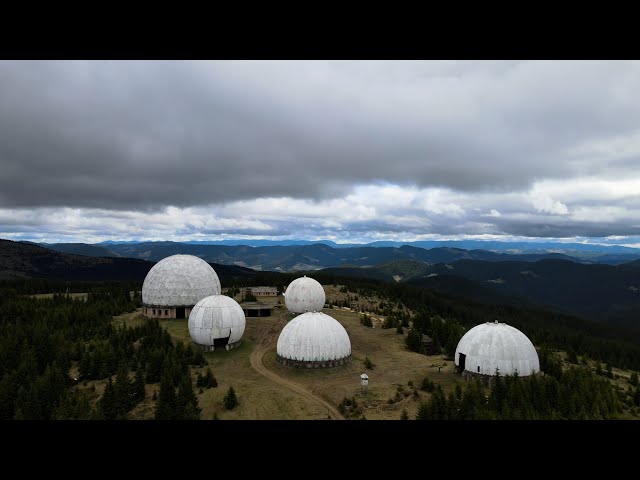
(364, 382)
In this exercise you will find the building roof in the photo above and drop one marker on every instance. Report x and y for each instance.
(497, 345)
(179, 280)
(313, 336)
(216, 316)
(256, 305)
(304, 294)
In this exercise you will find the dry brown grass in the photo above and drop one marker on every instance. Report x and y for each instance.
(261, 398)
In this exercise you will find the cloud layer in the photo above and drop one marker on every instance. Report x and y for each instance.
(342, 150)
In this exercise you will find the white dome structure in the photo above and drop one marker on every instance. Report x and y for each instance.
(313, 340)
(304, 294)
(175, 284)
(496, 345)
(216, 321)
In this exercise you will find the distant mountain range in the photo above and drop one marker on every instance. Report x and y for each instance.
(572, 249)
(320, 255)
(27, 260)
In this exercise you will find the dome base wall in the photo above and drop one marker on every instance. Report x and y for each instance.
(166, 312)
(287, 362)
(211, 348)
(486, 379)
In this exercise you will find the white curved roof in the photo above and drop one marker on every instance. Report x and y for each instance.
(497, 345)
(217, 316)
(304, 294)
(314, 336)
(179, 280)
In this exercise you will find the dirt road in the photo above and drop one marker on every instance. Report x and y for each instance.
(269, 336)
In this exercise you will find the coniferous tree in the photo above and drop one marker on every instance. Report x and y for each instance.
(186, 401)
(210, 380)
(138, 389)
(230, 399)
(108, 404)
(633, 380)
(413, 340)
(122, 391)
(368, 364)
(166, 404)
(404, 415)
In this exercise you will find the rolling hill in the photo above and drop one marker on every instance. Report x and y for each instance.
(599, 292)
(25, 260)
(81, 249)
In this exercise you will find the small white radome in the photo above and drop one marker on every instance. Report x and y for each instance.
(304, 294)
(216, 317)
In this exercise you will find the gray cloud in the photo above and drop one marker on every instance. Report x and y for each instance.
(148, 134)
(225, 137)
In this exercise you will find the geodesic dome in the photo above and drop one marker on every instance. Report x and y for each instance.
(216, 317)
(496, 345)
(179, 281)
(314, 337)
(304, 294)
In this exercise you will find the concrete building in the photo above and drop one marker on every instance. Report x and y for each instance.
(175, 284)
(257, 309)
(215, 322)
(495, 345)
(262, 291)
(304, 294)
(313, 340)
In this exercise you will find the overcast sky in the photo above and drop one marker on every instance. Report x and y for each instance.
(346, 151)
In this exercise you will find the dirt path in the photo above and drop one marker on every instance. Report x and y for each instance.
(269, 336)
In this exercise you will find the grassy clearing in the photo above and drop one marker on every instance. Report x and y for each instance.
(260, 398)
(394, 366)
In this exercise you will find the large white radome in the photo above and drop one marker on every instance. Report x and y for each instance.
(179, 281)
(497, 345)
(304, 294)
(314, 337)
(216, 317)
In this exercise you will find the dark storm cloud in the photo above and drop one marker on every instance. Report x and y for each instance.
(341, 150)
(122, 135)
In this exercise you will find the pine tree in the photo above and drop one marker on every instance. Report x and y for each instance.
(413, 340)
(404, 415)
(368, 364)
(399, 330)
(230, 399)
(108, 403)
(210, 380)
(633, 380)
(186, 401)
(166, 404)
(609, 371)
(138, 390)
(572, 357)
(122, 390)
